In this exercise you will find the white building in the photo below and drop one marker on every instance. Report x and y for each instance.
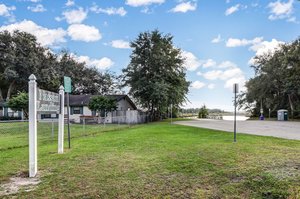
(6, 112)
(126, 110)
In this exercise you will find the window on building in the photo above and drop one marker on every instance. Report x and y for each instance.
(77, 110)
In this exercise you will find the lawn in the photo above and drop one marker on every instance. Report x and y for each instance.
(15, 135)
(160, 160)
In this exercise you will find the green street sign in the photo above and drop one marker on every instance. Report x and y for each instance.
(67, 84)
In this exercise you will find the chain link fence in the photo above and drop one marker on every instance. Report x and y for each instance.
(14, 134)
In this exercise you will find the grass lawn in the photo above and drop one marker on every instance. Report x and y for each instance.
(15, 135)
(160, 160)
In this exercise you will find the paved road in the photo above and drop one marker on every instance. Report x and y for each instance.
(281, 129)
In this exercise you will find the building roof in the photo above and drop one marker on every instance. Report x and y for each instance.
(83, 100)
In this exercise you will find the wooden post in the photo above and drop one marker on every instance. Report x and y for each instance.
(61, 120)
(32, 90)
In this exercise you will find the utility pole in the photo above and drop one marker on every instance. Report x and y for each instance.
(235, 90)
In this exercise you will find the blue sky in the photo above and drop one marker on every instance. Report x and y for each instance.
(218, 38)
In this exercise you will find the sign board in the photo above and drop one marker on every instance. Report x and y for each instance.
(42, 101)
(235, 88)
(47, 102)
(67, 84)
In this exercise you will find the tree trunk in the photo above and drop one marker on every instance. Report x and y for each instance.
(291, 105)
(10, 89)
(99, 117)
(152, 113)
(1, 96)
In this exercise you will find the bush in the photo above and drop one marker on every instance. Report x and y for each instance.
(203, 113)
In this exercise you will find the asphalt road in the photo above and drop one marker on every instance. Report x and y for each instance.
(281, 129)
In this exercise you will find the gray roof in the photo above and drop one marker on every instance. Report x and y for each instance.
(83, 100)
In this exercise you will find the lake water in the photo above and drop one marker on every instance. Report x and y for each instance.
(238, 117)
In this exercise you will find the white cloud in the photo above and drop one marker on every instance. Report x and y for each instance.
(137, 3)
(75, 16)
(258, 45)
(45, 36)
(81, 32)
(191, 62)
(292, 19)
(217, 39)
(110, 11)
(227, 64)
(211, 86)
(6, 11)
(199, 73)
(101, 64)
(232, 42)
(37, 8)
(197, 85)
(236, 80)
(59, 18)
(120, 44)
(209, 63)
(264, 47)
(213, 74)
(232, 9)
(231, 74)
(70, 3)
(184, 7)
(33, 1)
(280, 10)
(147, 10)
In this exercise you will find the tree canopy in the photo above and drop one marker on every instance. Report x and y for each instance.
(21, 55)
(102, 104)
(19, 103)
(276, 82)
(203, 112)
(155, 75)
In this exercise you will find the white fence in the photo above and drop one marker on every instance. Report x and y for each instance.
(127, 117)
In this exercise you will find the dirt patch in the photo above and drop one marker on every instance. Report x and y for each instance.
(286, 170)
(19, 182)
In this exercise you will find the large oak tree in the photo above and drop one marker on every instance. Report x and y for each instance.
(276, 82)
(21, 55)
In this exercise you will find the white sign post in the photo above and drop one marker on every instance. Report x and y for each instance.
(32, 126)
(42, 101)
(61, 120)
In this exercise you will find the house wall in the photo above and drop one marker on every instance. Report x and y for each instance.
(87, 111)
(76, 117)
(124, 105)
(11, 113)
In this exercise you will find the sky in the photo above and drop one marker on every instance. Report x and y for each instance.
(218, 38)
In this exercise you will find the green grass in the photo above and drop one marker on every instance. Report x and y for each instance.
(160, 160)
(15, 135)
